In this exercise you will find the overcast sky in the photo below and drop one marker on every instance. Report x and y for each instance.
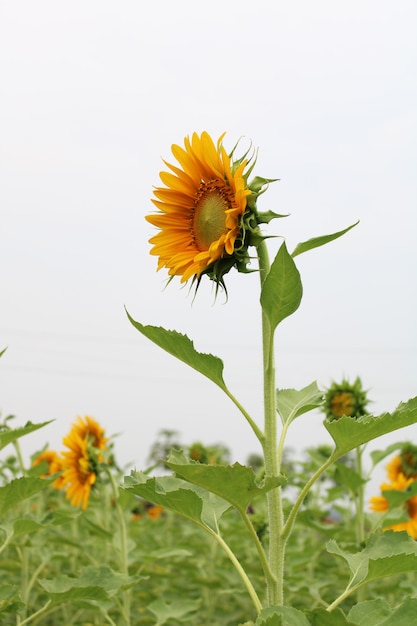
(92, 95)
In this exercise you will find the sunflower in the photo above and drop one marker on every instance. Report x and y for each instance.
(380, 504)
(89, 428)
(345, 399)
(54, 465)
(80, 470)
(85, 443)
(205, 217)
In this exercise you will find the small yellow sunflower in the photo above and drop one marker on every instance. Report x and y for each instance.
(380, 504)
(89, 428)
(204, 216)
(80, 469)
(55, 465)
(86, 443)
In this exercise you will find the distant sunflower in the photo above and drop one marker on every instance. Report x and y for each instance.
(80, 470)
(345, 399)
(204, 217)
(54, 465)
(86, 443)
(89, 428)
(380, 504)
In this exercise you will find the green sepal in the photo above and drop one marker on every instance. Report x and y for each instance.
(267, 216)
(258, 183)
(235, 483)
(282, 289)
(316, 242)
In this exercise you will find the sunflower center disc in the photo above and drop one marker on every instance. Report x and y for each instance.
(209, 222)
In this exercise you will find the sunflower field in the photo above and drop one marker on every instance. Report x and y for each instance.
(195, 538)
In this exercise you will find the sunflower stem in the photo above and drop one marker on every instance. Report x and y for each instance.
(276, 556)
(123, 544)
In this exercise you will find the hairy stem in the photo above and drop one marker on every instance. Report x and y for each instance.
(276, 555)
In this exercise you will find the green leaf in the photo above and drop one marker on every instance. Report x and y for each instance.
(10, 600)
(20, 489)
(379, 613)
(8, 436)
(282, 289)
(175, 609)
(403, 615)
(370, 612)
(316, 242)
(292, 403)
(321, 617)
(281, 616)
(385, 554)
(94, 583)
(396, 498)
(179, 496)
(347, 476)
(349, 432)
(235, 483)
(379, 455)
(183, 349)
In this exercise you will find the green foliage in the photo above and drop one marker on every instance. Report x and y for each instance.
(320, 241)
(183, 349)
(282, 289)
(292, 403)
(235, 483)
(348, 433)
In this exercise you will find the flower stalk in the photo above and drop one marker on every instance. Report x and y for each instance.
(275, 589)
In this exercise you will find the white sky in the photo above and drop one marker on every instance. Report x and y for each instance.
(92, 95)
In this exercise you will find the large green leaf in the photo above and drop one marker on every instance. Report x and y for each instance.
(8, 436)
(174, 609)
(10, 600)
(94, 583)
(320, 241)
(379, 613)
(282, 289)
(385, 554)
(20, 489)
(370, 612)
(183, 349)
(179, 496)
(235, 483)
(281, 616)
(349, 432)
(292, 402)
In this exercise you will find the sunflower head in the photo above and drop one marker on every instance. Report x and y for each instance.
(207, 216)
(81, 460)
(345, 399)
